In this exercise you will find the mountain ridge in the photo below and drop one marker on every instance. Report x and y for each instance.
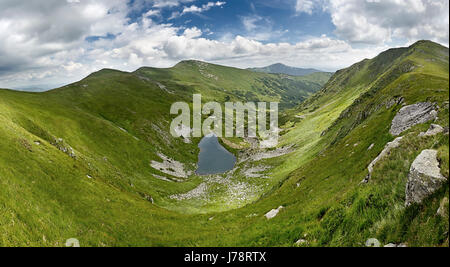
(279, 68)
(75, 162)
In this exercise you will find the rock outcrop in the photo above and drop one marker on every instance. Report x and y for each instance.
(170, 167)
(434, 130)
(424, 177)
(63, 147)
(412, 115)
(387, 149)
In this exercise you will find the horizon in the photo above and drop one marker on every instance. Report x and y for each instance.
(43, 88)
(63, 41)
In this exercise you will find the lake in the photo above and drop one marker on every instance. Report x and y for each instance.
(213, 157)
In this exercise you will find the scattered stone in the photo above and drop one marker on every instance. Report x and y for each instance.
(434, 130)
(61, 145)
(424, 177)
(255, 172)
(412, 115)
(392, 245)
(199, 192)
(370, 147)
(147, 197)
(301, 243)
(273, 213)
(386, 151)
(267, 154)
(72, 242)
(88, 176)
(38, 143)
(373, 242)
(25, 144)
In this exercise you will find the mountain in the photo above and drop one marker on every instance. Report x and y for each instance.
(94, 160)
(283, 69)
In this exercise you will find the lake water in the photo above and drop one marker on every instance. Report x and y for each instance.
(213, 157)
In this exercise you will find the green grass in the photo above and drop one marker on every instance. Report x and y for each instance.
(116, 124)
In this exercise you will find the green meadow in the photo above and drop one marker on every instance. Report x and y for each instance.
(76, 161)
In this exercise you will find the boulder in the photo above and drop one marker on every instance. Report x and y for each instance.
(434, 130)
(424, 177)
(373, 242)
(271, 214)
(412, 115)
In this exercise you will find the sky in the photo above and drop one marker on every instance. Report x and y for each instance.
(49, 43)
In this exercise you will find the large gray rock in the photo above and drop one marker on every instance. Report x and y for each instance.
(273, 213)
(434, 130)
(412, 115)
(424, 177)
(386, 151)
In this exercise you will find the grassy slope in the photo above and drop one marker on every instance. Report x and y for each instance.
(116, 123)
(46, 196)
(332, 206)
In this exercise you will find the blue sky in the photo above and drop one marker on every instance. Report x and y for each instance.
(46, 43)
(265, 20)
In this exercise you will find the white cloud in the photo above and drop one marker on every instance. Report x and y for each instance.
(381, 21)
(250, 22)
(305, 6)
(375, 22)
(43, 42)
(196, 9)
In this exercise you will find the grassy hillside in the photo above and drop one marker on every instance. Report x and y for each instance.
(75, 162)
(221, 84)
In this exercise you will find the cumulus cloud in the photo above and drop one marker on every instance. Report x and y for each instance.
(305, 6)
(46, 42)
(197, 9)
(380, 21)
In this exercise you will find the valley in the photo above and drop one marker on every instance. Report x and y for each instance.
(95, 160)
